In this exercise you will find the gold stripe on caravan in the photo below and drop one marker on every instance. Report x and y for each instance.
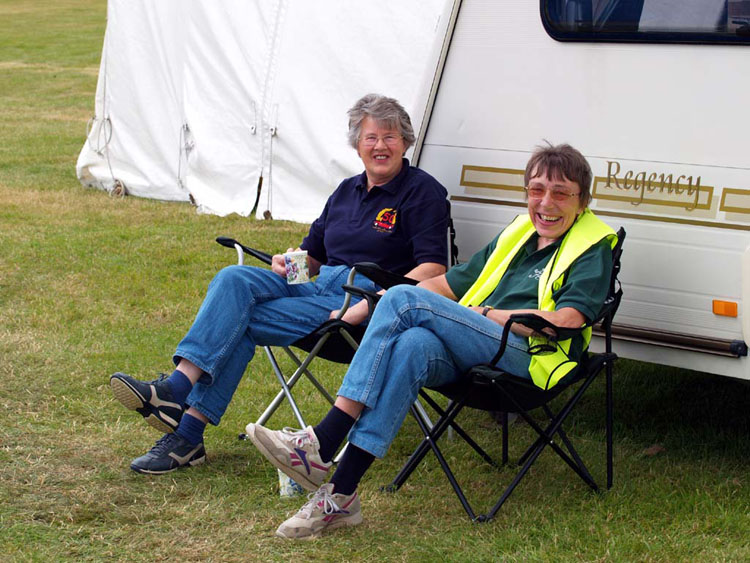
(490, 201)
(508, 179)
(732, 201)
(603, 213)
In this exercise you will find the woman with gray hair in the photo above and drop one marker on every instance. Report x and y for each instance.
(392, 214)
(385, 111)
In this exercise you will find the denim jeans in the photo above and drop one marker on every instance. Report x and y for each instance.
(247, 307)
(417, 338)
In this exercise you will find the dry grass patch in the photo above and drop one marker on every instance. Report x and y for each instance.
(46, 68)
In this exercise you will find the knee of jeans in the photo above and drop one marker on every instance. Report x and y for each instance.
(228, 275)
(400, 295)
(418, 346)
(418, 339)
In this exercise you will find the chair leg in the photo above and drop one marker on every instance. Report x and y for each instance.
(310, 376)
(516, 480)
(286, 385)
(432, 442)
(568, 444)
(546, 436)
(610, 417)
(461, 432)
(285, 391)
(423, 413)
(505, 432)
(411, 464)
(533, 453)
(577, 459)
(430, 436)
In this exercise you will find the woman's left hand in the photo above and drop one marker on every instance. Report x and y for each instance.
(354, 315)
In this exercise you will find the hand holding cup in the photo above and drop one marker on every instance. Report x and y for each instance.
(296, 267)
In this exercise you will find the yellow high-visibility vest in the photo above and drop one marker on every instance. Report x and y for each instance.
(546, 369)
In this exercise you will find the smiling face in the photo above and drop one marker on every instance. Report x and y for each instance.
(552, 218)
(382, 160)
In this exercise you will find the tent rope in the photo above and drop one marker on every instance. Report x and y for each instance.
(104, 132)
(186, 145)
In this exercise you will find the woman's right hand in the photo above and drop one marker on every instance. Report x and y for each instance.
(278, 266)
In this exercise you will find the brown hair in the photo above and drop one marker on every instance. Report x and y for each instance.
(561, 162)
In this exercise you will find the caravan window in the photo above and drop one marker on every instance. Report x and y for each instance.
(673, 21)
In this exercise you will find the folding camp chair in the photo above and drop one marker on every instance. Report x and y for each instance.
(486, 387)
(334, 340)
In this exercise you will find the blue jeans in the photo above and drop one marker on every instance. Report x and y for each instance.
(247, 307)
(417, 338)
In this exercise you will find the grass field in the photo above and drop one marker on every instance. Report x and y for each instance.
(91, 284)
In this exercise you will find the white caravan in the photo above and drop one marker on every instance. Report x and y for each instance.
(656, 94)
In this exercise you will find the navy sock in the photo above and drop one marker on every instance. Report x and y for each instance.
(180, 386)
(191, 429)
(331, 431)
(353, 465)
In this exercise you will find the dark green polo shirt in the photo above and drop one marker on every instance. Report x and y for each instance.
(585, 288)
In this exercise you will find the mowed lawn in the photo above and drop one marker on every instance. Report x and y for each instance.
(91, 284)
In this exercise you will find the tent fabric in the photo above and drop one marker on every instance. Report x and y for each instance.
(135, 135)
(199, 99)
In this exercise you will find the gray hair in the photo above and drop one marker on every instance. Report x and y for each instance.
(387, 112)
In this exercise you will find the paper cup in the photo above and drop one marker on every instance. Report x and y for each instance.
(296, 267)
(288, 487)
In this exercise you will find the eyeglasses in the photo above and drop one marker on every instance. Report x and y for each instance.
(372, 140)
(537, 192)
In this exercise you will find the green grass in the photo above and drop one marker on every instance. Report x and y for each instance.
(91, 284)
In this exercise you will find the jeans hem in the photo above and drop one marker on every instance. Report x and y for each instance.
(378, 451)
(350, 393)
(212, 418)
(206, 378)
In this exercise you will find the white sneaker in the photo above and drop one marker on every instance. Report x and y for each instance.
(324, 511)
(295, 452)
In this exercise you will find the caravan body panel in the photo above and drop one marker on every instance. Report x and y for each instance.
(664, 127)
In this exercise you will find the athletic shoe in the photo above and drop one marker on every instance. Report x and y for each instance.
(171, 452)
(152, 399)
(324, 511)
(295, 452)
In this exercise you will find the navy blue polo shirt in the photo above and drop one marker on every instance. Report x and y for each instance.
(398, 225)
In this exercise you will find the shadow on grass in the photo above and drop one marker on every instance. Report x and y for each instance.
(690, 415)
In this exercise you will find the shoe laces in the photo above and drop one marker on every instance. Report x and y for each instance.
(299, 437)
(162, 377)
(165, 443)
(320, 498)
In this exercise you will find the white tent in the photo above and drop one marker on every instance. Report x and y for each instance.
(199, 99)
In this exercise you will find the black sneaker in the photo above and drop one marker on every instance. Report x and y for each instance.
(152, 399)
(171, 452)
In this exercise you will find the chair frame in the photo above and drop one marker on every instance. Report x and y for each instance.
(315, 342)
(487, 388)
(324, 332)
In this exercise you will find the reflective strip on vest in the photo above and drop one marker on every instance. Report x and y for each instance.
(546, 369)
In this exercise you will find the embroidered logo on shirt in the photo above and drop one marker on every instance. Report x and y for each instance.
(385, 222)
(537, 274)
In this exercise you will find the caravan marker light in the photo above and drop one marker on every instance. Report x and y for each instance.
(725, 308)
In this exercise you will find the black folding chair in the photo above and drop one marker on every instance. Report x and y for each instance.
(488, 388)
(334, 340)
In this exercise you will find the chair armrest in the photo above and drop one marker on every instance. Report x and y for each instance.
(384, 278)
(371, 297)
(537, 324)
(231, 243)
